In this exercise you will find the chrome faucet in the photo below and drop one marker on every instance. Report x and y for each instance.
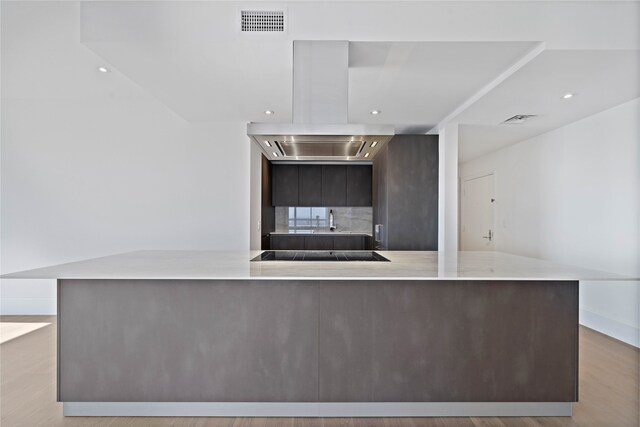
(332, 222)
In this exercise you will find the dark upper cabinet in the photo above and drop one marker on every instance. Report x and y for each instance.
(285, 185)
(310, 185)
(334, 185)
(321, 185)
(359, 185)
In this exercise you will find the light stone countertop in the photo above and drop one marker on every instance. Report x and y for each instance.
(237, 265)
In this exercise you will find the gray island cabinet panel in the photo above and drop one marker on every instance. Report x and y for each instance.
(464, 341)
(187, 341)
(289, 340)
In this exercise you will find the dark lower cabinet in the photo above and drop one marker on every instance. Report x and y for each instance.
(287, 243)
(345, 243)
(319, 243)
(334, 185)
(283, 242)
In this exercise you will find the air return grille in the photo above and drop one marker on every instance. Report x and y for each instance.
(518, 118)
(262, 20)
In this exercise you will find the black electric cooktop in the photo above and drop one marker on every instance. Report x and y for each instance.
(319, 256)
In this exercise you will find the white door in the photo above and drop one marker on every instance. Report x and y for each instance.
(478, 203)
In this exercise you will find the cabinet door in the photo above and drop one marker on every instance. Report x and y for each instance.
(334, 185)
(309, 185)
(318, 243)
(285, 185)
(348, 243)
(359, 185)
(287, 243)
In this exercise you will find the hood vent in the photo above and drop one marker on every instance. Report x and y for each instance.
(320, 130)
(518, 119)
(262, 20)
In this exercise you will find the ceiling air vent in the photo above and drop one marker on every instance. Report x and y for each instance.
(262, 20)
(518, 118)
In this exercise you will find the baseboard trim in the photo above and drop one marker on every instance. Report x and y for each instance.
(318, 409)
(611, 327)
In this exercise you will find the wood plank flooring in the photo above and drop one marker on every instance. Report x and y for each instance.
(609, 392)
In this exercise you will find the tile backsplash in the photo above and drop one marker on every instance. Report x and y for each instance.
(358, 219)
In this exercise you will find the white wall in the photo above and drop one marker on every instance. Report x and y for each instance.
(573, 196)
(81, 181)
(92, 165)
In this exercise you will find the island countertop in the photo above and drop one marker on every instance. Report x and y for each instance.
(404, 265)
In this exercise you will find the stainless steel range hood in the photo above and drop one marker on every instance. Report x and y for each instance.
(320, 130)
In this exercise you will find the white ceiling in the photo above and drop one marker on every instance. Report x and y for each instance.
(416, 61)
(600, 79)
(419, 83)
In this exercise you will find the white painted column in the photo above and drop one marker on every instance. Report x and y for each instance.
(448, 189)
(255, 196)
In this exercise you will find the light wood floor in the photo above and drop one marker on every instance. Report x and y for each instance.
(609, 395)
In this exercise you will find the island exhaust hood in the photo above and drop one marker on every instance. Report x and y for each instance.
(320, 130)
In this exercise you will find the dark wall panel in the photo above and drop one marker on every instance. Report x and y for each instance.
(267, 211)
(406, 179)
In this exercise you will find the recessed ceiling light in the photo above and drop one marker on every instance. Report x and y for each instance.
(366, 154)
(268, 144)
(103, 69)
(375, 112)
(275, 154)
(567, 96)
(268, 112)
(374, 143)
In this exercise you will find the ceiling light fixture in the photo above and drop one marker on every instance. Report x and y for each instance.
(275, 154)
(267, 143)
(366, 155)
(375, 112)
(269, 112)
(103, 69)
(567, 96)
(374, 143)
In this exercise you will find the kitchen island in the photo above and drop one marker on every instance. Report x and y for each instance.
(203, 333)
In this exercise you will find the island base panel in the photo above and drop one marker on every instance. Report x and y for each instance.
(304, 342)
(321, 409)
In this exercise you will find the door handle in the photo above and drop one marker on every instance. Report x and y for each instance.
(490, 236)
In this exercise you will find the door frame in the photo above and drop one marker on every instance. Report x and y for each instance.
(471, 177)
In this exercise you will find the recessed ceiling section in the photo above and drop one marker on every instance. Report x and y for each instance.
(602, 78)
(420, 83)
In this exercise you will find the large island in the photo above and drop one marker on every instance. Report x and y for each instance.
(203, 333)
